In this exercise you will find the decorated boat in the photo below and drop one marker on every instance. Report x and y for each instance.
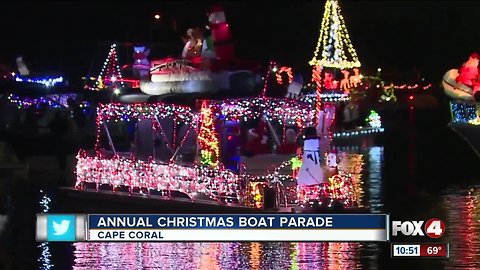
(462, 86)
(172, 152)
(208, 63)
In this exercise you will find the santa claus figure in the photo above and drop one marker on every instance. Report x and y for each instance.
(222, 39)
(469, 73)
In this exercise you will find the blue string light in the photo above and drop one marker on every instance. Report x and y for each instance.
(47, 82)
(463, 112)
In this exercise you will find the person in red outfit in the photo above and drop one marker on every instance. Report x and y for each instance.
(469, 73)
(257, 139)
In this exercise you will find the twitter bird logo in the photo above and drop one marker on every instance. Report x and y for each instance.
(61, 228)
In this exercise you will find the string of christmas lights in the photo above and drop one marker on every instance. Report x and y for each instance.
(413, 87)
(341, 187)
(271, 66)
(110, 71)
(374, 120)
(120, 171)
(279, 73)
(47, 82)
(326, 97)
(363, 131)
(463, 112)
(52, 101)
(274, 109)
(334, 41)
(126, 112)
(207, 137)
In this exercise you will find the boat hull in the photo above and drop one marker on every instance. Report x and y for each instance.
(163, 88)
(107, 202)
(470, 133)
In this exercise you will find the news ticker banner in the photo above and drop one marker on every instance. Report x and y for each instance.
(198, 228)
(432, 250)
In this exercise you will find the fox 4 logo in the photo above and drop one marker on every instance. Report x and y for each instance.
(434, 228)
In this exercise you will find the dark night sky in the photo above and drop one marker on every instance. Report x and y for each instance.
(395, 35)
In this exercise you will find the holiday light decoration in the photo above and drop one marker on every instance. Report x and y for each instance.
(207, 137)
(317, 79)
(359, 132)
(388, 94)
(274, 109)
(463, 112)
(374, 120)
(412, 87)
(51, 101)
(47, 82)
(270, 68)
(296, 163)
(110, 71)
(326, 97)
(117, 171)
(334, 45)
(255, 194)
(317, 76)
(279, 73)
(341, 187)
(126, 112)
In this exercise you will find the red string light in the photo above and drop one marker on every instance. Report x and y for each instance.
(265, 83)
(317, 78)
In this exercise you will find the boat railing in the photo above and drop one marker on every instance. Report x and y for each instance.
(119, 171)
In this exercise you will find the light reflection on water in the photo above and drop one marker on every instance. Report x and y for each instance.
(45, 258)
(463, 228)
(459, 207)
(217, 256)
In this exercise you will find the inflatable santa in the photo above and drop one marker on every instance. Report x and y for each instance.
(222, 39)
(469, 73)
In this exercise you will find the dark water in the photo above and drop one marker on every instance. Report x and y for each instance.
(419, 170)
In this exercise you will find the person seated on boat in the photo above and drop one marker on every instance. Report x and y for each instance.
(468, 73)
(193, 46)
(257, 139)
(289, 147)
